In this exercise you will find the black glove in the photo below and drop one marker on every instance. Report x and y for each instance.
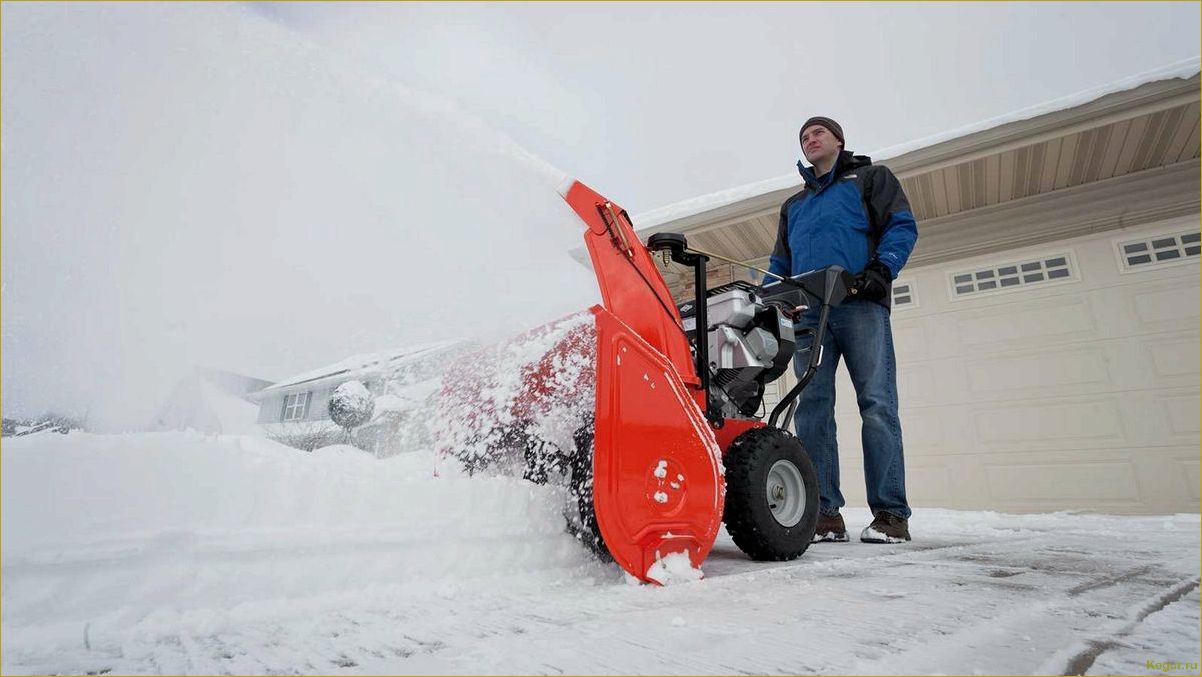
(873, 283)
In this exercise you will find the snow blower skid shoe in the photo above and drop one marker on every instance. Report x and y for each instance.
(633, 404)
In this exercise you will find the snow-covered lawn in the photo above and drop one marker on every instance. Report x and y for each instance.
(185, 553)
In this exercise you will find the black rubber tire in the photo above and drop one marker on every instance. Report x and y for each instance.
(748, 516)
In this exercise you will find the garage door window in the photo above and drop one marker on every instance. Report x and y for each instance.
(1159, 250)
(1012, 275)
(903, 294)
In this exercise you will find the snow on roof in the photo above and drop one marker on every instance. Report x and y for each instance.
(1179, 70)
(366, 363)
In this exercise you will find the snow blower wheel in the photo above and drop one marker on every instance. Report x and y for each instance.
(771, 495)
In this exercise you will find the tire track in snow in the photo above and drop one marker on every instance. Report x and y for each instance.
(1000, 637)
(1083, 660)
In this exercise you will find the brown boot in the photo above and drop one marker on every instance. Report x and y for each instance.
(886, 528)
(830, 529)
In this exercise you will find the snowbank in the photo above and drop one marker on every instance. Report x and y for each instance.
(116, 527)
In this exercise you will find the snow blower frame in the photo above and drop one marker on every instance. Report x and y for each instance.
(675, 445)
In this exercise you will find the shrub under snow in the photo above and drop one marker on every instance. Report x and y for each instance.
(351, 405)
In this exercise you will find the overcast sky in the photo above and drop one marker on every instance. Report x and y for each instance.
(660, 102)
(270, 188)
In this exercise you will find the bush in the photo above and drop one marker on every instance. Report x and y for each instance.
(306, 436)
(351, 405)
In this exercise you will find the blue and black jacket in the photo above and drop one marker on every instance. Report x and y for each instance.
(855, 214)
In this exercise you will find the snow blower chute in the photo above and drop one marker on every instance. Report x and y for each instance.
(674, 443)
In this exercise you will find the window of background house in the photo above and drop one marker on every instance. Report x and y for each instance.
(296, 406)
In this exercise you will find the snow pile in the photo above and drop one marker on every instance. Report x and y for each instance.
(64, 492)
(673, 568)
(104, 532)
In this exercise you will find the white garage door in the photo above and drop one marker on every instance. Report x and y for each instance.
(1059, 377)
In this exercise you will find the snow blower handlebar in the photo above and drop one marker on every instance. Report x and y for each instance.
(831, 285)
(677, 247)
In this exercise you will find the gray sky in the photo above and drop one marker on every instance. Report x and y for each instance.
(270, 188)
(660, 102)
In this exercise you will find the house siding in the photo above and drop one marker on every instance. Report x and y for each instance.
(271, 409)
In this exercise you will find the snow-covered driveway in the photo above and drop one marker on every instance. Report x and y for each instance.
(179, 553)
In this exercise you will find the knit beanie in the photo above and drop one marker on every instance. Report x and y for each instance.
(831, 126)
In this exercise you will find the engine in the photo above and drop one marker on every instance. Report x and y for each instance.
(750, 342)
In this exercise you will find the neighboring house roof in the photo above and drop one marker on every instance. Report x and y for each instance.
(366, 365)
(233, 384)
(706, 203)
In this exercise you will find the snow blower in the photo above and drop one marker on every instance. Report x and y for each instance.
(650, 410)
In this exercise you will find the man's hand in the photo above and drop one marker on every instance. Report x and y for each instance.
(873, 282)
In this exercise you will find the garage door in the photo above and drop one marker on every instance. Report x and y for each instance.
(1060, 377)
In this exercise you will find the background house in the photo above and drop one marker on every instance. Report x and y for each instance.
(1047, 324)
(296, 410)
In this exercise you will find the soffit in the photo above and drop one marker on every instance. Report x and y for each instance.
(1115, 147)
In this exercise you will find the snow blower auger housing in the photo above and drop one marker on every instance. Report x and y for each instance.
(673, 445)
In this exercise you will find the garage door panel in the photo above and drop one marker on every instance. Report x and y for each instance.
(1035, 373)
(1111, 481)
(1044, 422)
(1191, 472)
(1168, 477)
(910, 340)
(929, 481)
(927, 429)
(1179, 414)
(917, 384)
(1168, 306)
(1026, 325)
(1173, 357)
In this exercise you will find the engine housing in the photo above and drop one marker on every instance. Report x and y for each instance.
(750, 341)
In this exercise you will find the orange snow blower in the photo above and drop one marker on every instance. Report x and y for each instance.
(674, 441)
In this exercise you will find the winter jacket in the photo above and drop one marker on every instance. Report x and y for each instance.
(832, 222)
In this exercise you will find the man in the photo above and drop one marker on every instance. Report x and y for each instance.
(853, 214)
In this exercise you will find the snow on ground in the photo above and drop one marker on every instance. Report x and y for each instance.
(187, 553)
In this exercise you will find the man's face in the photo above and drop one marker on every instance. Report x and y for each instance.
(818, 143)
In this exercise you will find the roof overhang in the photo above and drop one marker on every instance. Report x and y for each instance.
(1036, 174)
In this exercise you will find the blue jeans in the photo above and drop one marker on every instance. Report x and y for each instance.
(859, 332)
